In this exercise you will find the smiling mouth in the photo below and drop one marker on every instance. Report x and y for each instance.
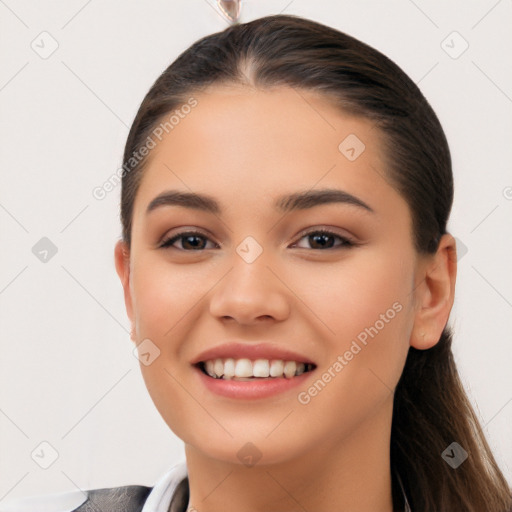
(248, 370)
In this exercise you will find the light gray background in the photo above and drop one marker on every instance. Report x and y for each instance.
(67, 372)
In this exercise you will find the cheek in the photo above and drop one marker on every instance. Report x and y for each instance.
(353, 293)
(164, 294)
(365, 305)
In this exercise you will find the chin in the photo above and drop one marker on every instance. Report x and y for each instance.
(245, 448)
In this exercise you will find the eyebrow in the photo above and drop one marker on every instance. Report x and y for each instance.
(286, 203)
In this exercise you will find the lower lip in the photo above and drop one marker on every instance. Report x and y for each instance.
(253, 389)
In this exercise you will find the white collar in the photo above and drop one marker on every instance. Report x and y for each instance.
(160, 496)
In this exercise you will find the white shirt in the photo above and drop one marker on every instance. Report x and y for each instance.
(160, 496)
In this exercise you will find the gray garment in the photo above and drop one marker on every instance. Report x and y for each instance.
(180, 498)
(128, 498)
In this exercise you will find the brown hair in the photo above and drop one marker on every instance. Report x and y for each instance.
(431, 408)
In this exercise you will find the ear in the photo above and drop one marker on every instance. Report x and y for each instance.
(122, 262)
(434, 294)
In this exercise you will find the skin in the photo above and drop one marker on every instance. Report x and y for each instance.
(245, 147)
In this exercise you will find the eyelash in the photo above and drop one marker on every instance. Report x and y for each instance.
(346, 242)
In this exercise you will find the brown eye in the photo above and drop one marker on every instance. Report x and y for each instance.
(190, 241)
(322, 239)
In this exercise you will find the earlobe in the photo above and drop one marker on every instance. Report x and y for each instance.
(122, 263)
(435, 294)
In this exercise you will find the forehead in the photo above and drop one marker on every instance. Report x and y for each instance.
(249, 145)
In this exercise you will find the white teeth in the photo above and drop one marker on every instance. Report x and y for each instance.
(276, 368)
(229, 368)
(289, 368)
(218, 367)
(261, 368)
(245, 369)
(209, 367)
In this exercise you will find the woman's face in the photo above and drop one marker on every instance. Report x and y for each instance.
(257, 274)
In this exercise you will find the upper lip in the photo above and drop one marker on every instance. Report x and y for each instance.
(238, 350)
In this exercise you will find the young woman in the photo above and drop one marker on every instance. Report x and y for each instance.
(289, 278)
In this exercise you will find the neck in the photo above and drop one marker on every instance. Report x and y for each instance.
(352, 474)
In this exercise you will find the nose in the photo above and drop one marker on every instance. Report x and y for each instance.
(249, 294)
